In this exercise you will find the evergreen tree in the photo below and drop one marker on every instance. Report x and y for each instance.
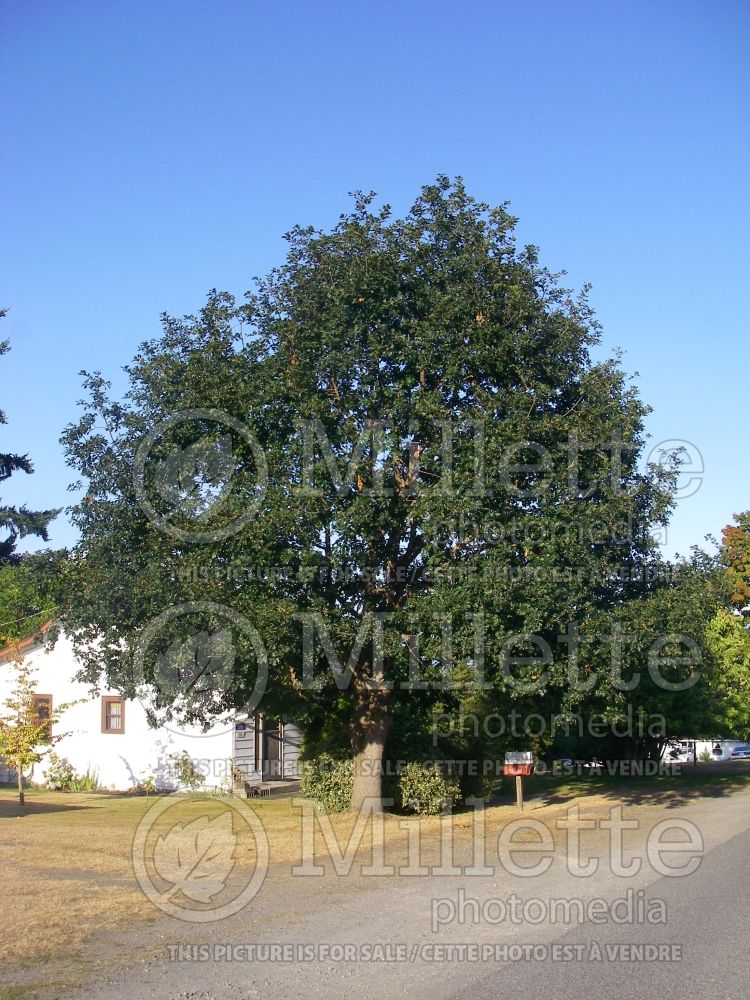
(18, 522)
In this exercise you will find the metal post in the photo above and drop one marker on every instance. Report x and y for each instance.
(519, 792)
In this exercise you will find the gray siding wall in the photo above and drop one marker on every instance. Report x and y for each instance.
(244, 748)
(292, 746)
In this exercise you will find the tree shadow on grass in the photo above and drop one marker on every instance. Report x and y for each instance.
(11, 808)
(688, 784)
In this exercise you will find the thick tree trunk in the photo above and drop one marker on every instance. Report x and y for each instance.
(370, 726)
(21, 797)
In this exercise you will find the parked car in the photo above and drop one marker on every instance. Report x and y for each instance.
(741, 753)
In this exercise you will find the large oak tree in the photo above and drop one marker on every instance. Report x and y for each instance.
(447, 469)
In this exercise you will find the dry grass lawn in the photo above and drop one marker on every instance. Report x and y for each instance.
(67, 869)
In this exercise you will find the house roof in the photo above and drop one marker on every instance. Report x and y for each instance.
(24, 646)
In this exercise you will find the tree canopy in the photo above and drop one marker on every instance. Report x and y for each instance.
(391, 479)
(736, 559)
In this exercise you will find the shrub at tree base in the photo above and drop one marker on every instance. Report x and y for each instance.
(328, 781)
(426, 789)
(421, 788)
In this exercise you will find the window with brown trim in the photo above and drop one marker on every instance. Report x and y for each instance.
(43, 710)
(113, 714)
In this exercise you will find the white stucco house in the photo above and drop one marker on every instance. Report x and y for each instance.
(110, 737)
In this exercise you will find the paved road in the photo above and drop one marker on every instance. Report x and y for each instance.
(709, 922)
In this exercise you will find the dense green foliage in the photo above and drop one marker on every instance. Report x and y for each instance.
(27, 594)
(736, 559)
(329, 781)
(427, 789)
(412, 427)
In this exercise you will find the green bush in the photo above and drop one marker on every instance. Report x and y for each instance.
(88, 782)
(328, 781)
(187, 771)
(427, 788)
(60, 774)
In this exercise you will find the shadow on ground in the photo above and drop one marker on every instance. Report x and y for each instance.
(11, 808)
(686, 783)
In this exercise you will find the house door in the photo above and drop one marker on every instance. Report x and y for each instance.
(272, 757)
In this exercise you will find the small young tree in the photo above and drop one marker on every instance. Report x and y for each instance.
(25, 731)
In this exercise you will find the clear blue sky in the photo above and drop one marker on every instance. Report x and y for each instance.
(154, 150)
